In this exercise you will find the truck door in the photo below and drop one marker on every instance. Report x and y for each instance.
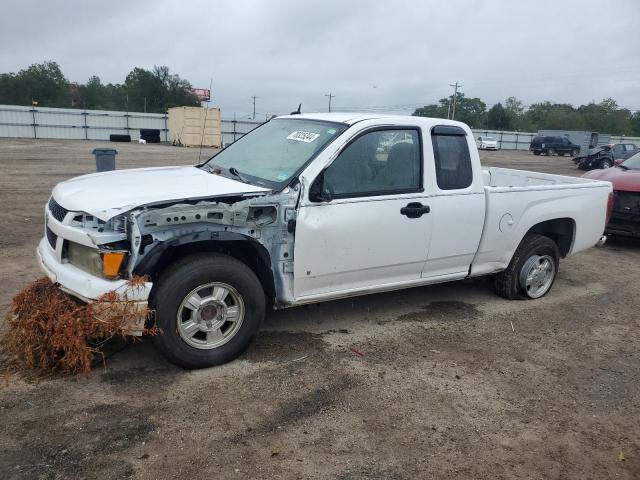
(458, 205)
(372, 225)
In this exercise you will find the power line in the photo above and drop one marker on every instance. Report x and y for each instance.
(330, 95)
(254, 107)
(455, 98)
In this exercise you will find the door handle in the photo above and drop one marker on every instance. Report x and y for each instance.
(414, 210)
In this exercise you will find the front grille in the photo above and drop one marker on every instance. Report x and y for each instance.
(56, 210)
(52, 238)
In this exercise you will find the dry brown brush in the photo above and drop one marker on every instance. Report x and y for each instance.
(49, 331)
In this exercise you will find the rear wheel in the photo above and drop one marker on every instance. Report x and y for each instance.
(209, 307)
(574, 153)
(532, 269)
(535, 152)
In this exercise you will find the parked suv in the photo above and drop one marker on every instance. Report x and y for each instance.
(553, 145)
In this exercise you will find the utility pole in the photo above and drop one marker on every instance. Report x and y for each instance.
(455, 98)
(254, 107)
(330, 95)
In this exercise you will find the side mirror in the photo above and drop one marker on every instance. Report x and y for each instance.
(319, 192)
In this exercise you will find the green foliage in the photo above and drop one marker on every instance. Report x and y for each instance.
(143, 90)
(471, 111)
(605, 117)
(498, 118)
(41, 82)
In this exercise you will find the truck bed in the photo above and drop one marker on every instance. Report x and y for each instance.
(500, 178)
(518, 199)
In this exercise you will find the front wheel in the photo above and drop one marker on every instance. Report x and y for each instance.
(606, 163)
(550, 152)
(532, 269)
(574, 153)
(209, 307)
(535, 152)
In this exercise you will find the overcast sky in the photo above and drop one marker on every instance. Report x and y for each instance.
(388, 55)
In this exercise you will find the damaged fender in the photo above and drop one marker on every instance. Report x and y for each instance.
(266, 221)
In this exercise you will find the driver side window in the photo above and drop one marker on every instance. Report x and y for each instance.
(380, 162)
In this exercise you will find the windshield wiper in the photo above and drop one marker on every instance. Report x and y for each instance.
(234, 171)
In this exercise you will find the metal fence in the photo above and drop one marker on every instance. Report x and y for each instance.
(508, 140)
(74, 124)
(66, 123)
(521, 140)
(234, 129)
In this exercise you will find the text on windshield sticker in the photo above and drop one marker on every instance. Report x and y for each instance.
(306, 137)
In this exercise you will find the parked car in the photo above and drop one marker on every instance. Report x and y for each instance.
(308, 208)
(487, 143)
(596, 158)
(625, 214)
(552, 145)
(622, 151)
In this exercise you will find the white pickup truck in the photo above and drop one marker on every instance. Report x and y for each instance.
(308, 208)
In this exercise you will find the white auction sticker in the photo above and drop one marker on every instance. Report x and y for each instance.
(306, 137)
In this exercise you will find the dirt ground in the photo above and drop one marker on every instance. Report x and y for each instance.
(446, 388)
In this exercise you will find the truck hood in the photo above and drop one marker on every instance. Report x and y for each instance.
(622, 180)
(107, 194)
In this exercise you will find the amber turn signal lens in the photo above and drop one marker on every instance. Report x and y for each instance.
(111, 263)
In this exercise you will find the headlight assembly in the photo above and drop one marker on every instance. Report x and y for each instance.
(101, 263)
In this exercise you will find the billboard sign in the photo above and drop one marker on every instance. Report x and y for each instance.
(203, 94)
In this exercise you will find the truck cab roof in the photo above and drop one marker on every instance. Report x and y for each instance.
(351, 118)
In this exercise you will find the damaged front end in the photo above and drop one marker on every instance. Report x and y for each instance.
(88, 256)
(258, 229)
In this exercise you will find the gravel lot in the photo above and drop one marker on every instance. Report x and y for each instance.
(446, 388)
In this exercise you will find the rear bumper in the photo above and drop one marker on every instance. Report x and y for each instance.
(623, 225)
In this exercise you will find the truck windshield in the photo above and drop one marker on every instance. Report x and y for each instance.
(632, 163)
(273, 153)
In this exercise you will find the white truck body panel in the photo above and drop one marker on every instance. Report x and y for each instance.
(529, 198)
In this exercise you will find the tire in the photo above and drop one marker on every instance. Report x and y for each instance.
(561, 154)
(535, 152)
(186, 342)
(550, 152)
(509, 283)
(606, 163)
(119, 138)
(574, 153)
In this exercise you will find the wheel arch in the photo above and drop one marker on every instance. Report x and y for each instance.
(561, 230)
(244, 248)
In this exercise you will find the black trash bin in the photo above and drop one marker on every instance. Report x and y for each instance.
(105, 159)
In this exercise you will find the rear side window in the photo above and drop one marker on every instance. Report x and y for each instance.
(452, 158)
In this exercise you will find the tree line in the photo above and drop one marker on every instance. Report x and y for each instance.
(606, 116)
(143, 90)
(157, 89)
